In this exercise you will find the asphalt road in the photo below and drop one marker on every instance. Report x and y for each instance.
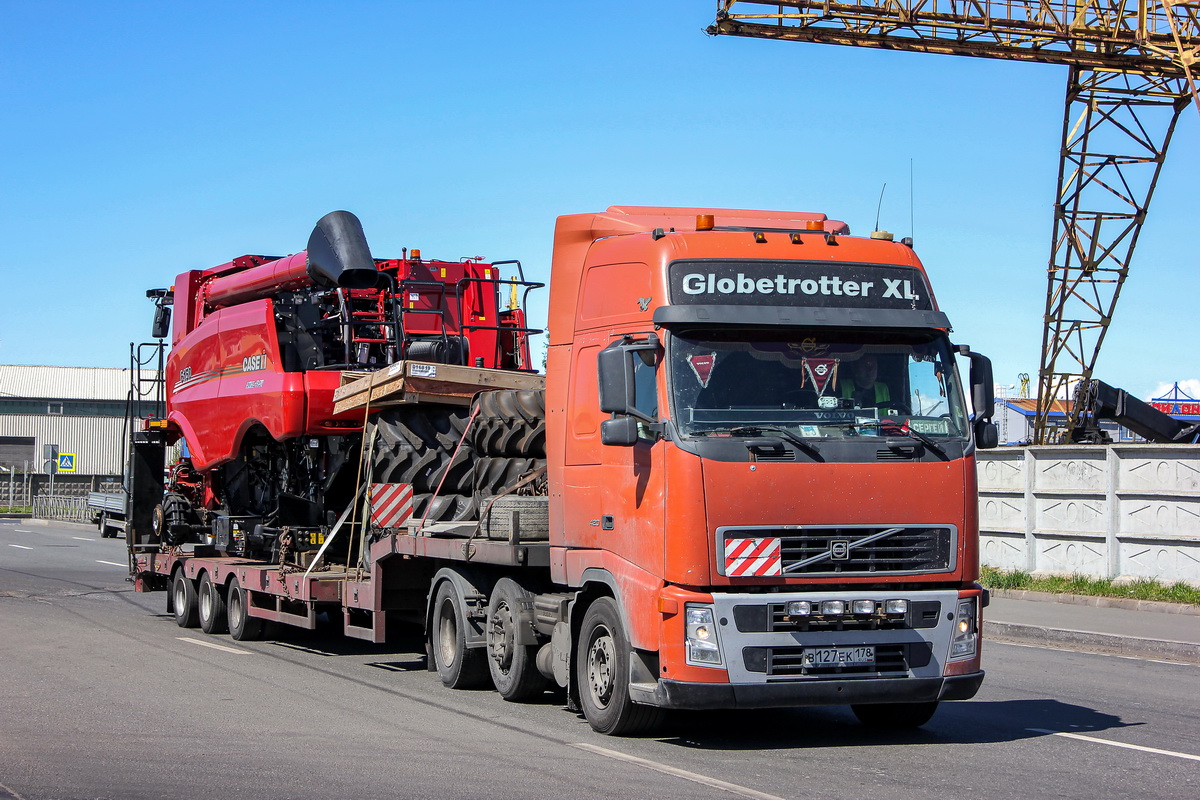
(103, 696)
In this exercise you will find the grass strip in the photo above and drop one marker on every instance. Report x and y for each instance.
(1139, 589)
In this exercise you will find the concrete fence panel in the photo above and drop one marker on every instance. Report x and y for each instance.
(1118, 511)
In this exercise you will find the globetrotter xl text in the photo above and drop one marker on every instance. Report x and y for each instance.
(696, 283)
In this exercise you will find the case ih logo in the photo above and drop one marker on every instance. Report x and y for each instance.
(253, 363)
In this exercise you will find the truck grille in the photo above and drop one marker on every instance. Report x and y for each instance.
(787, 663)
(873, 550)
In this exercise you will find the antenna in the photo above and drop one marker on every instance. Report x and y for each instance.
(880, 206)
(912, 225)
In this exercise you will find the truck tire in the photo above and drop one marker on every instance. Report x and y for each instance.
(458, 666)
(183, 601)
(210, 605)
(242, 626)
(602, 675)
(513, 666)
(894, 716)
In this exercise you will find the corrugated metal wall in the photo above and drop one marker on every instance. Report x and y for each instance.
(95, 441)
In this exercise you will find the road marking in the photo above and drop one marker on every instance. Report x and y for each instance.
(213, 645)
(687, 775)
(81, 538)
(1097, 653)
(20, 546)
(21, 530)
(1081, 737)
(11, 792)
(111, 563)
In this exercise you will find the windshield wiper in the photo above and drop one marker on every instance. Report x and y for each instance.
(756, 430)
(909, 431)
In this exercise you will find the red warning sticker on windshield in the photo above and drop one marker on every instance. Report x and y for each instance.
(703, 365)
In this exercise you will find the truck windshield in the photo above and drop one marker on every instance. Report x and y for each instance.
(815, 383)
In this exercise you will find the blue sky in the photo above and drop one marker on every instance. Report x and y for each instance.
(143, 139)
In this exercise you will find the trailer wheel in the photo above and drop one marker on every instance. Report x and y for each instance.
(894, 716)
(211, 606)
(458, 666)
(106, 531)
(183, 601)
(602, 674)
(242, 626)
(513, 666)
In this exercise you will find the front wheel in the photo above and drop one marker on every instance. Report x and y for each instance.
(894, 716)
(602, 674)
(211, 605)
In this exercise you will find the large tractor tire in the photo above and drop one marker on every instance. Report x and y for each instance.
(416, 444)
(509, 438)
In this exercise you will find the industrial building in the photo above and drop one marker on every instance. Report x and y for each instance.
(81, 410)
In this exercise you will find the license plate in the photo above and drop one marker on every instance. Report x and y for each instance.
(839, 656)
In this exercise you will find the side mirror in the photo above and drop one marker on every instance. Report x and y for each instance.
(615, 365)
(983, 390)
(621, 431)
(987, 435)
(162, 322)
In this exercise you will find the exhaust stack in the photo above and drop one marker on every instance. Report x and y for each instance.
(338, 254)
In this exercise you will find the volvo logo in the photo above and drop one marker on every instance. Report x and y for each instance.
(839, 549)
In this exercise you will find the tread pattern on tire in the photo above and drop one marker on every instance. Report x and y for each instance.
(416, 444)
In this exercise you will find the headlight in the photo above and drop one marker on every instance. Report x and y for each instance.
(966, 630)
(896, 607)
(703, 647)
(864, 607)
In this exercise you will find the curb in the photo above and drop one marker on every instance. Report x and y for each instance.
(1016, 633)
(1130, 604)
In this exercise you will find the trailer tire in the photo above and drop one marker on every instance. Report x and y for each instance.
(106, 531)
(183, 601)
(242, 626)
(458, 666)
(513, 666)
(602, 675)
(210, 606)
(894, 716)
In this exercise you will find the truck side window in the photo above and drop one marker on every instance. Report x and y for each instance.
(645, 389)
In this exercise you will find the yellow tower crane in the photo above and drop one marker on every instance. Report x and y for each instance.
(1133, 68)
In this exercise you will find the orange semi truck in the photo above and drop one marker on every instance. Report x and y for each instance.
(747, 478)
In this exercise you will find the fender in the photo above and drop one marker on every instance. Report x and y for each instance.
(468, 584)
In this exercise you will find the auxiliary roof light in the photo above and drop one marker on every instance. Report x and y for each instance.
(705, 222)
(814, 225)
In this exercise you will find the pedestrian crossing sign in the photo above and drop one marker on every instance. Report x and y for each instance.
(66, 462)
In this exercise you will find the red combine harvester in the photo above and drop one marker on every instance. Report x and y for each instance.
(747, 478)
(260, 345)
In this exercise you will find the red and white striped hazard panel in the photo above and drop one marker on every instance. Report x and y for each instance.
(391, 504)
(753, 557)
